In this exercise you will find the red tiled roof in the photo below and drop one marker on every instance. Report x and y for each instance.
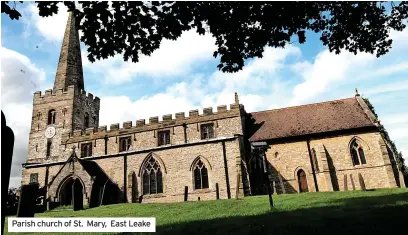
(309, 119)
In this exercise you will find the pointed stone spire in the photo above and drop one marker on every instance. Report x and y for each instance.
(236, 98)
(69, 71)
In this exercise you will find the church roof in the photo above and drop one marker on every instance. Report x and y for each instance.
(337, 115)
(91, 167)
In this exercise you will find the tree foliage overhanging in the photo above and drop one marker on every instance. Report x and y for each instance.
(241, 29)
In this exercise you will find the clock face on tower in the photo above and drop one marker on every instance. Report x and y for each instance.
(50, 132)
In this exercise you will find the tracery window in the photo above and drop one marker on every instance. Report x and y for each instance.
(207, 131)
(163, 137)
(200, 175)
(124, 144)
(152, 179)
(357, 153)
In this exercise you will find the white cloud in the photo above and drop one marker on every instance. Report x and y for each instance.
(120, 109)
(258, 73)
(396, 118)
(173, 58)
(397, 125)
(20, 78)
(19, 75)
(327, 69)
(52, 28)
(199, 92)
(387, 70)
(395, 86)
(398, 133)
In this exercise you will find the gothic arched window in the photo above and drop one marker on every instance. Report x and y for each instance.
(51, 116)
(152, 178)
(357, 153)
(200, 175)
(86, 120)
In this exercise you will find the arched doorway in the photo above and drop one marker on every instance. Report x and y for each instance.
(78, 195)
(302, 181)
(66, 192)
(72, 193)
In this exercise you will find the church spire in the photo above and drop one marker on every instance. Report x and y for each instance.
(69, 71)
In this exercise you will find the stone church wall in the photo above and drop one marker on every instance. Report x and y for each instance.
(286, 159)
(375, 171)
(186, 145)
(334, 162)
(178, 163)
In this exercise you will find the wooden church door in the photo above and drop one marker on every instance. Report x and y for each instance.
(302, 182)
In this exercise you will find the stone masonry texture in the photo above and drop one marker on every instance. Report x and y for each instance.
(227, 156)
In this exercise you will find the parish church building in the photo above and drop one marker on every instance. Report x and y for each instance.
(205, 155)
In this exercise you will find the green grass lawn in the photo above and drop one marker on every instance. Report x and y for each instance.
(351, 212)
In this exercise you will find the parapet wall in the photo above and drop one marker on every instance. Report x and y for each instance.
(154, 123)
(60, 94)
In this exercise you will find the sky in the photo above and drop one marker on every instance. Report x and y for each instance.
(182, 75)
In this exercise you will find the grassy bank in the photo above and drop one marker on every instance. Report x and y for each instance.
(350, 212)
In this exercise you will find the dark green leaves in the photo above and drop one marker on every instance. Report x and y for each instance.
(12, 12)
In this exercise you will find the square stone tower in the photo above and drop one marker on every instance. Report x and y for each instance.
(64, 108)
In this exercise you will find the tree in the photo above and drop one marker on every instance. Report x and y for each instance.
(242, 29)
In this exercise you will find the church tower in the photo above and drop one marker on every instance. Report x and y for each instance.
(64, 108)
(69, 70)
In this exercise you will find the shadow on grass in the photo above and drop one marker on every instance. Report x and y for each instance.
(359, 215)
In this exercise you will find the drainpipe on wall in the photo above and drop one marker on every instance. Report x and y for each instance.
(106, 144)
(311, 164)
(224, 153)
(125, 178)
(185, 132)
(46, 177)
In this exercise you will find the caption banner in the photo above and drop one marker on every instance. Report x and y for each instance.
(82, 224)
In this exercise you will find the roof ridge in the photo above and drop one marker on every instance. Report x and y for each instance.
(297, 106)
